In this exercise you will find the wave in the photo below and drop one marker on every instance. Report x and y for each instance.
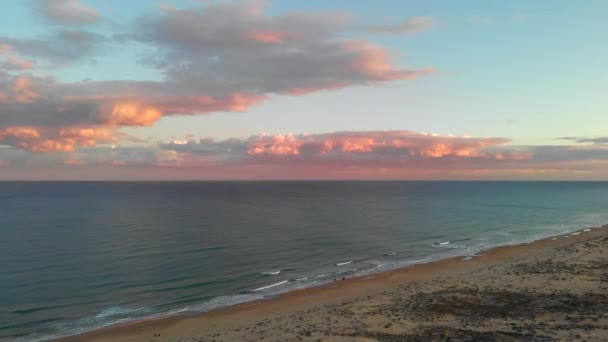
(307, 285)
(415, 261)
(271, 285)
(221, 301)
(117, 314)
(116, 310)
(344, 263)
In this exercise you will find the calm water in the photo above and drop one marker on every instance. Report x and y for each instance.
(79, 256)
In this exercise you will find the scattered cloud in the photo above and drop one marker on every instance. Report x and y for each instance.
(408, 26)
(60, 46)
(223, 57)
(593, 140)
(68, 12)
(11, 61)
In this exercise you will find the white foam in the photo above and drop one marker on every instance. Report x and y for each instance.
(393, 253)
(576, 233)
(115, 310)
(271, 285)
(299, 279)
(307, 284)
(344, 263)
(415, 261)
(443, 243)
(586, 230)
(271, 272)
(219, 302)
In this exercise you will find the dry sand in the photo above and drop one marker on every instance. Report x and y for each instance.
(552, 289)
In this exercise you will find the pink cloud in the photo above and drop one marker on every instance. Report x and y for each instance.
(146, 109)
(309, 90)
(236, 102)
(268, 37)
(20, 91)
(45, 139)
(338, 155)
(129, 114)
(374, 62)
(409, 143)
(19, 64)
(13, 61)
(207, 66)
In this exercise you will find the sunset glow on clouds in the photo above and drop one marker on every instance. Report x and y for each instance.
(234, 56)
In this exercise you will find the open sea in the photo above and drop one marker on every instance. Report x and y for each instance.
(77, 256)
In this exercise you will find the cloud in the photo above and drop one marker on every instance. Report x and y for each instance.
(30, 100)
(268, 37)
(393, 154)
(35, 139)
(230, 48)
(594, 140)
(389, 146)
(335, 150)
(337, 155)
(61, 46)
(408, 26)
(68, 12)
(225, 57)
(11, 61)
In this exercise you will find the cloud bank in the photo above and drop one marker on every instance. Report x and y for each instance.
(223, 57)
(228, 57)
(336, 155)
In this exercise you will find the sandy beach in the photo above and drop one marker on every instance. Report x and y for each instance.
(548, 290)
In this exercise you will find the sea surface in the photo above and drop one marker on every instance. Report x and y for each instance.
(78, 256)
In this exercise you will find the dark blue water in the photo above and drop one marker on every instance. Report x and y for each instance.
(79, 256)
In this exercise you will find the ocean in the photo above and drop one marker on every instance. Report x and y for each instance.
(78, 256)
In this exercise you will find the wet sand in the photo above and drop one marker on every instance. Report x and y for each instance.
(548, 290)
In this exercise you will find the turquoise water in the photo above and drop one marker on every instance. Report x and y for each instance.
(79, 256)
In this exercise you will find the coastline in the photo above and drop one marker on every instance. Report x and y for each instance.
(228, 322)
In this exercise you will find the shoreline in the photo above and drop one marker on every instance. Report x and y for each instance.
(332, 293)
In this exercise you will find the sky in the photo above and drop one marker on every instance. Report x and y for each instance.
(286, 89)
